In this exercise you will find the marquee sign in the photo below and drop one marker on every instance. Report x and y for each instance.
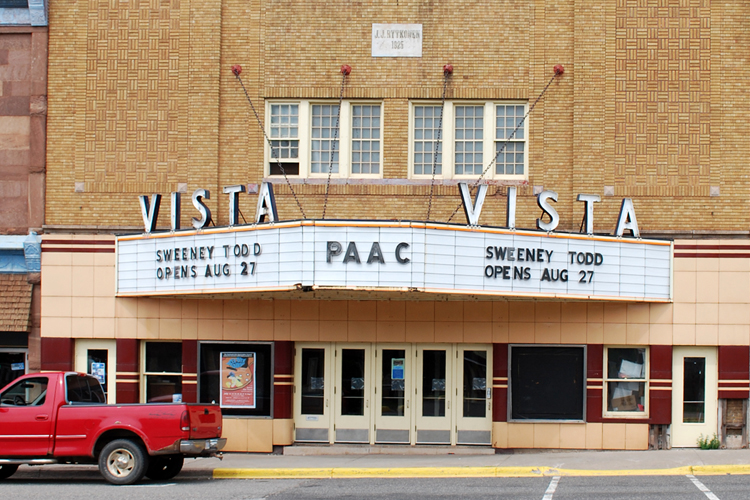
(395, 256)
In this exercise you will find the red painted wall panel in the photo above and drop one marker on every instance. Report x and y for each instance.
(283, 362)
(189, 356)
(734, 364)
(500, 395)
(189, 370)
(660, 402)
(128, 390)
(57, 354)
(594, 370)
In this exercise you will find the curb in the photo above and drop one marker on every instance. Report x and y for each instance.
(446, 472)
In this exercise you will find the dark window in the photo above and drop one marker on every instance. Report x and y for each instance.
(163, 372)
(12, 366)
(82, 389)
(547, 383)
(433, 383)
(313, 382)
(28, 392)
(14, 4)
(353, 381)
(209, 376)
(475, 383)
(289, 168)
(694, 391)
(393, 383)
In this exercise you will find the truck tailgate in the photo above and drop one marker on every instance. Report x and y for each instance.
(205, 421)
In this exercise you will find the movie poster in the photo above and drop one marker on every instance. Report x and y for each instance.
(237, 380)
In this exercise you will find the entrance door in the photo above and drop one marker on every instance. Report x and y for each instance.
(352, 393)
(694, 395)
(312, 393)
(474, 395)
(433, 394)
(98, 358)
(393, 365)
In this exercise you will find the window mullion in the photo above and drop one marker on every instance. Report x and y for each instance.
(305, 123)
(345, 140)
(447, 136)
(488, 145)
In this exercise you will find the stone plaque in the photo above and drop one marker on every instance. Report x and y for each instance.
(396, 40)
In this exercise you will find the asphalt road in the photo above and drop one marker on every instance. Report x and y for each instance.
(84, 483)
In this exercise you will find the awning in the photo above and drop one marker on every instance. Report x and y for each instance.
(15, 303)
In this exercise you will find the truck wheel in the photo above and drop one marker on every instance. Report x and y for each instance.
(163, 468)
(7, 470)
(123, 462)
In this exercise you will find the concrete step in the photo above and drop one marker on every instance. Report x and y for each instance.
(301, 449)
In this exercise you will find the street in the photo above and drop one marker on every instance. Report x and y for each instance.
(81, 481)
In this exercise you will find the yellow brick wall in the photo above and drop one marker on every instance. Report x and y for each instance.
(652, 102)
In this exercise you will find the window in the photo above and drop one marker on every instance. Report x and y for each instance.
(83, 390)
(305, 140)
(468, 139)
(237, 376)
(547, 383)
(28, 392)
(162, 376)
(425, 132)
(284, 139)
(472, 136)
(625, 380)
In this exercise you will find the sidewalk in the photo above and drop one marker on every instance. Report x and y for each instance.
(350, 462)
(465, 463)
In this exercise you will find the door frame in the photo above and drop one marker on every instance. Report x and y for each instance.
(314, 422)
(80, 363)
(434, 425)
(685, 435)
(350, 422)
(472, 424)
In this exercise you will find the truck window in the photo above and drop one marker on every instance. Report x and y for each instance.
(84, 390)
(27, 392)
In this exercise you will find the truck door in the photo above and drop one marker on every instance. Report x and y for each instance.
(26, 413)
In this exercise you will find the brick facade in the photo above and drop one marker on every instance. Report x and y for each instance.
(649, 104)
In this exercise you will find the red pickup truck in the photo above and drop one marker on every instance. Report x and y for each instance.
(62, 417)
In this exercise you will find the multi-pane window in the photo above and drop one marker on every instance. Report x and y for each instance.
(469, 135)
(626, 379)
(472, 138)
(365, 139)
(323, 144)
(509, 146)
(284, 136)
(312, 138)
(426, 127)
(163, 372)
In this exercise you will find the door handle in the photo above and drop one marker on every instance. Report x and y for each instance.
(42, 417)
(407, 403)
(449, 405)
(367, 403)
(326, 403)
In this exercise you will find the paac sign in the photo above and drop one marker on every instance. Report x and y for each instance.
(266, 209)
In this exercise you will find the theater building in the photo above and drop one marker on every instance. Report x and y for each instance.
(401, 223)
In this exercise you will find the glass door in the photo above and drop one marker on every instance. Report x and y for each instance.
(474, 395)
(392, 393)
(97, 358)
(694, 395)
(433, 394)
(352, 393)
(312, 393)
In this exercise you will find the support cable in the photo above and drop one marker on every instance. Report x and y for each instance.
(447, 71)
(237, 69)
(345, 70)
(558, 71)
